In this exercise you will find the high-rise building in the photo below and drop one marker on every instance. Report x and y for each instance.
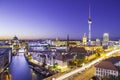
(98, 43)
(89, 25)
(105, 37)
(56, 39)
(84, 40)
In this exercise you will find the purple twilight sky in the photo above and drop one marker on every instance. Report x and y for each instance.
(57, 18)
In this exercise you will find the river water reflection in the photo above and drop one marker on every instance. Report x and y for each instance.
(19, 68)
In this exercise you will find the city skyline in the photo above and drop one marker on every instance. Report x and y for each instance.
(51, 19)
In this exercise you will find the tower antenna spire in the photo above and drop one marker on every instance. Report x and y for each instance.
(89, 25)
(89, 11)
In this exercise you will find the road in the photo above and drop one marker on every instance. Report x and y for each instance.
(86, 75)
(86, 66)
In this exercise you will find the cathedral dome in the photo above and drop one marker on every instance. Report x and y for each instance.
(15, 38)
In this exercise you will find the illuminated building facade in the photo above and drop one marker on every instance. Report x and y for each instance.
(109, 67)
(105, 37)
(84, 40)
(64, 42)
(15, 45)
(5, 58)
(89, 25)
(98, 43)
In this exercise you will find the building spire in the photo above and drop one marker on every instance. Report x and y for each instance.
(89, 15)
(84, 34)
(89, 25)
(67, 43)
(89, 11)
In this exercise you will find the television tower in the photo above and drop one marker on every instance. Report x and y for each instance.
(89, 25)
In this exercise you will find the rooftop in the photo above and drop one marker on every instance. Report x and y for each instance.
(4, 50)
(109, 63)
(66, 57)
(15, 38)
(113, 60)
(106, 65)
(77, 49)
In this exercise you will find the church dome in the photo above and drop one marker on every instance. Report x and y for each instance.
(15, 38)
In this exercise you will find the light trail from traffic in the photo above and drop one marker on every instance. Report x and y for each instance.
(85, 66)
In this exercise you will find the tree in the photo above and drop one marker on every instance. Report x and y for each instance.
(105, 78)
(75, 61)
(55, 66)
(118, 77)
(98, 52)
(71, 64)
(79, 59)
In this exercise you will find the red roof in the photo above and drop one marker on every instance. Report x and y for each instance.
(106, 65)
(79, 50)
(66, 57)
(109, 63)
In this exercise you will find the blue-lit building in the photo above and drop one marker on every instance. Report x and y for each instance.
(5, 58)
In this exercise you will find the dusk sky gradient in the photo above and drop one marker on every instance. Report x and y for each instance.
(57, 18)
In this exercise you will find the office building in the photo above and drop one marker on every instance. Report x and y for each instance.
(98, 43)
(105, 37)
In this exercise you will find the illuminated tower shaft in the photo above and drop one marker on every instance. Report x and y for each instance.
(89, 34)
(89, 25)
